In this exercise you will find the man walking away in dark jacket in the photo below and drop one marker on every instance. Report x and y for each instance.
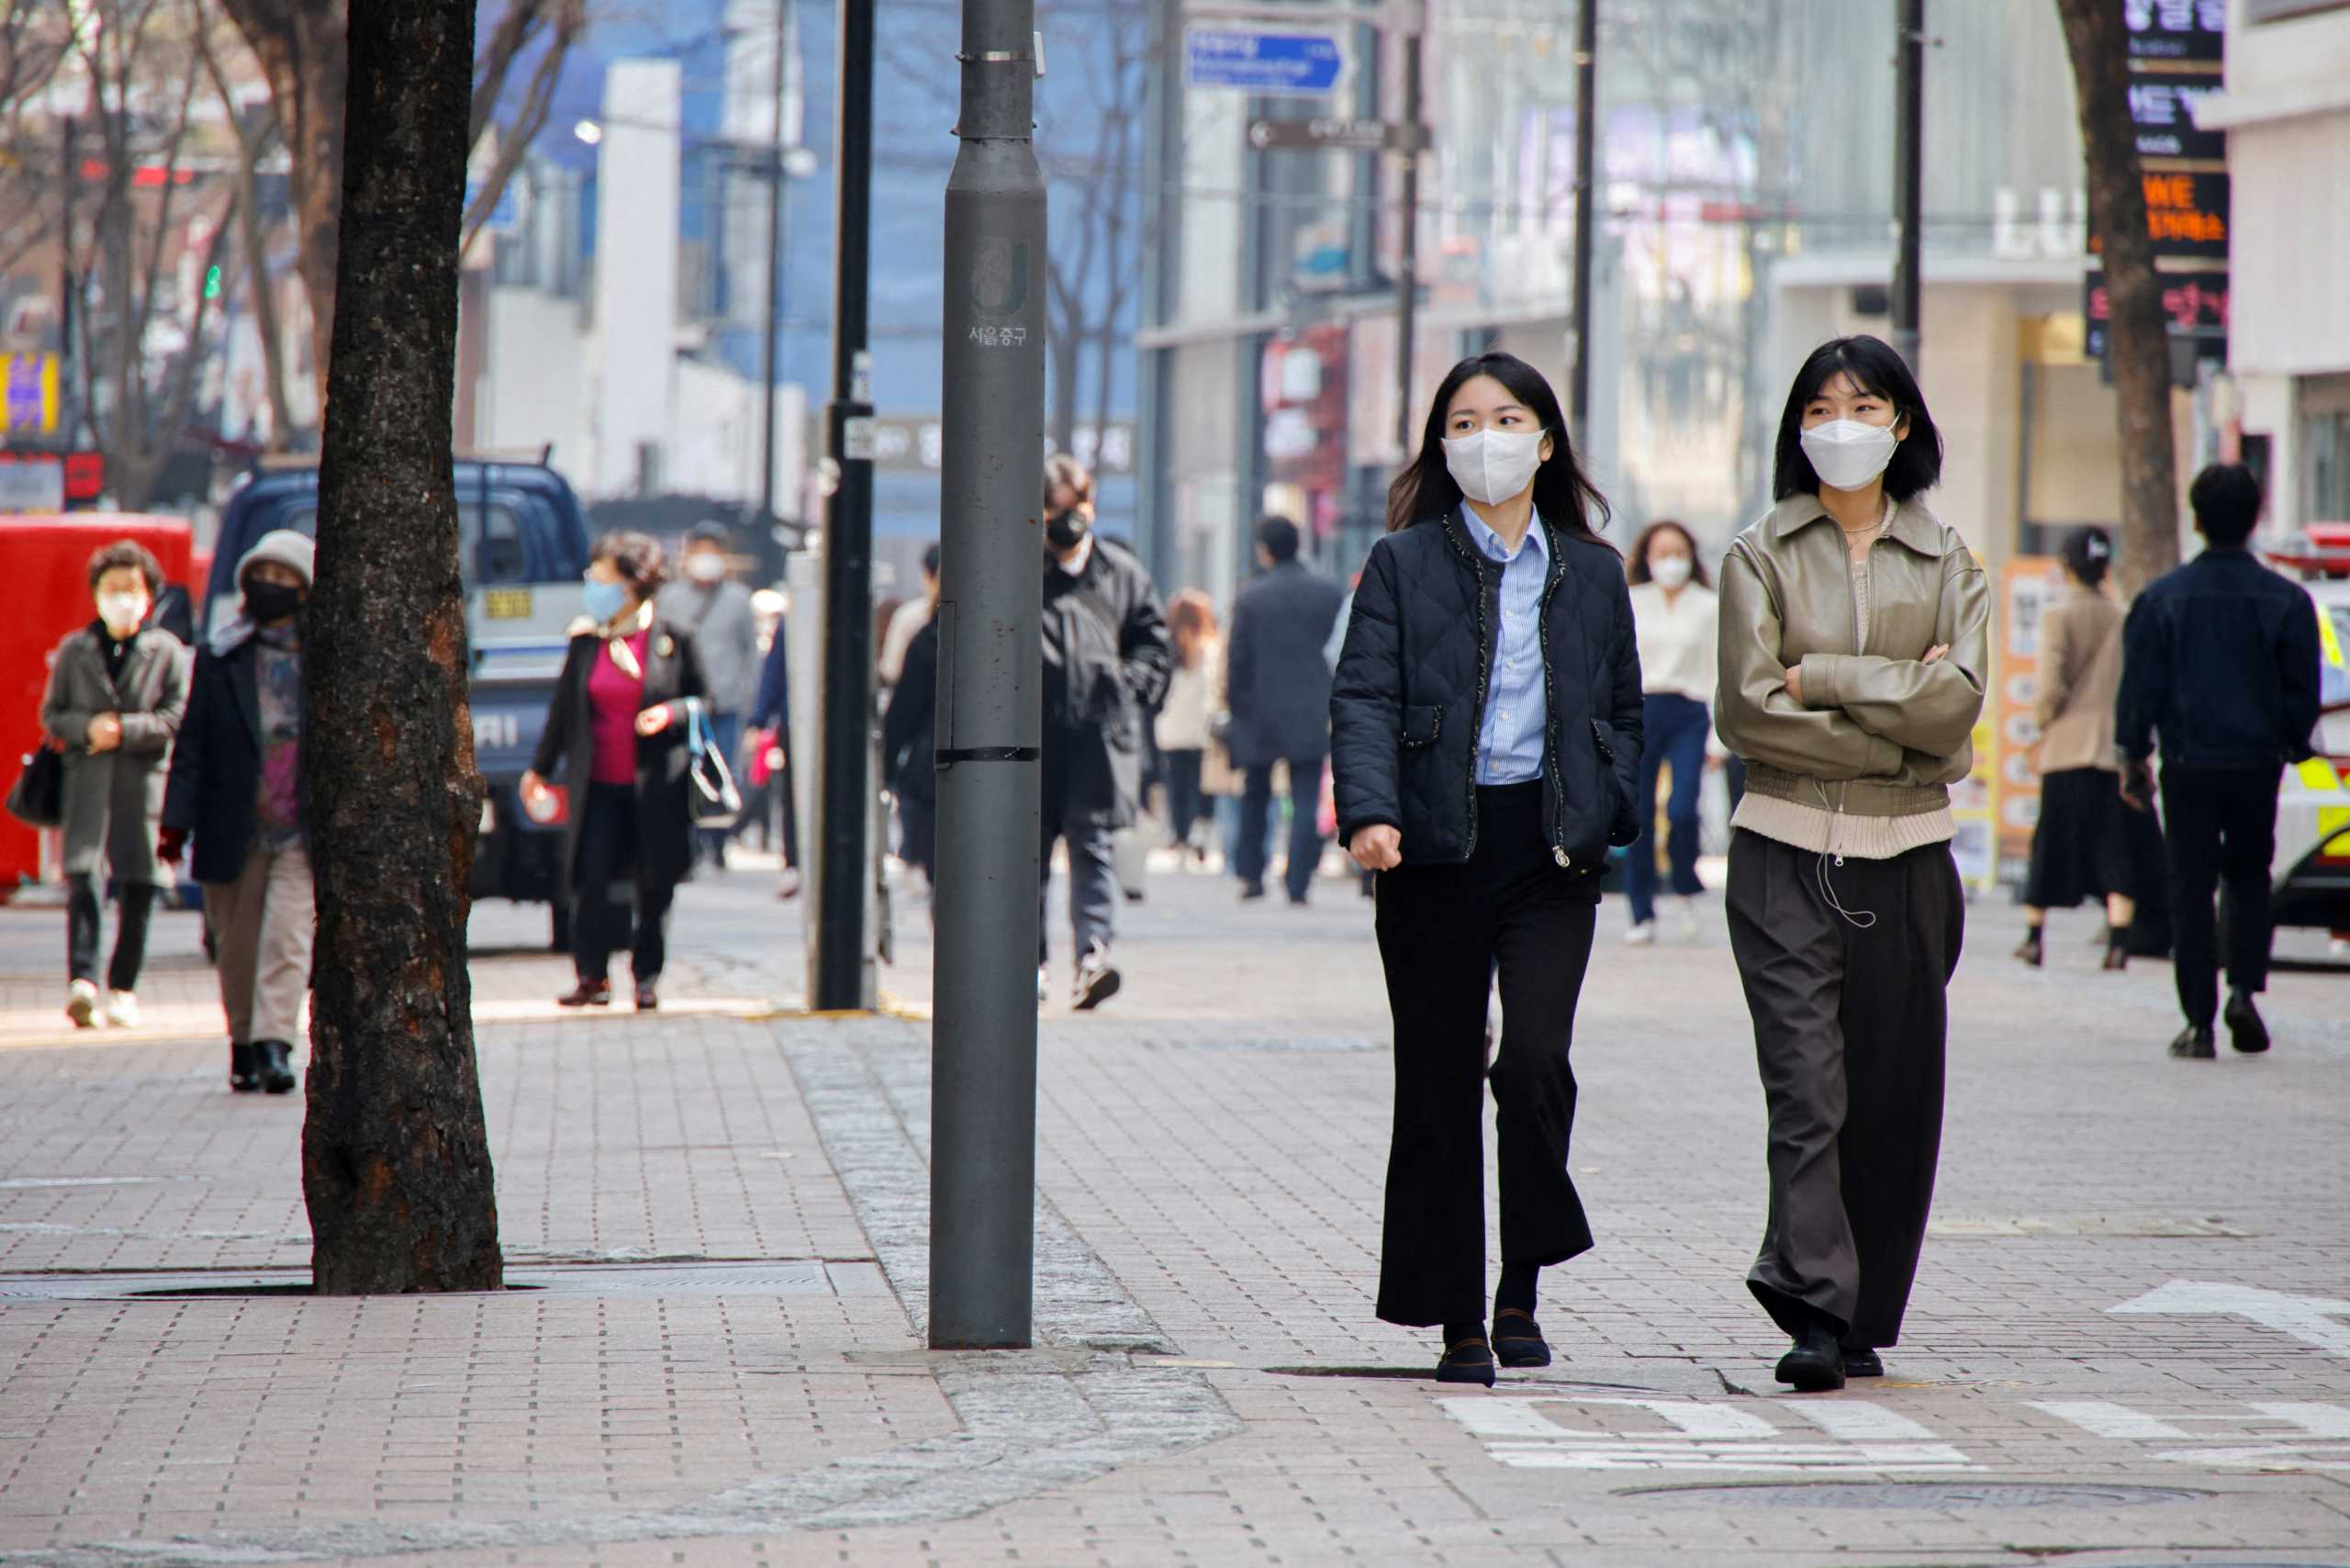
(1278, 681)
(1107, 657)
(2220, 659)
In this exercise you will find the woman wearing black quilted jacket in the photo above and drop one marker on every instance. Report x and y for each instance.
(1485, 741)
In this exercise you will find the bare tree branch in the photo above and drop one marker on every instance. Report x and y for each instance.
(570, 19)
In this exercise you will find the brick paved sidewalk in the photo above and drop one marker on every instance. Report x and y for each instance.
(716, 1367)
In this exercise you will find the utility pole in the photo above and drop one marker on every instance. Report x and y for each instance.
(1407, 271)
(69, 406)
(1586, 126)
(1909, 96)
(836, 979)
(774, 277)
(990, 722)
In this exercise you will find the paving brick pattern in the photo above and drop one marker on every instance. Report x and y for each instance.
(1215, 1144)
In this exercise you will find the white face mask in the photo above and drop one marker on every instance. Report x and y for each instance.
(1494, 466)
(122, 612)
(705, 567)
(1670, 571)
(1847, 454)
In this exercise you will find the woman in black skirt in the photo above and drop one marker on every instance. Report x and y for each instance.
(2080, 847)
(1485, 741)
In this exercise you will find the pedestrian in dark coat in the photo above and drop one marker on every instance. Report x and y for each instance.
(909, 729)
(617, 729)
(2220, 660)
(1107, 657)
(114, 698)
(1485, 731)
(240, 786)
(1278, 691)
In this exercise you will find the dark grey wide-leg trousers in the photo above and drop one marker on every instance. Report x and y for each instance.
(1850, 1017)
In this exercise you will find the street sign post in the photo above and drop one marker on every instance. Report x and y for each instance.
(1343, 135)
(1264, 60)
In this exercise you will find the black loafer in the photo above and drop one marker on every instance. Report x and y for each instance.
(1815, 1365)
(1467, 1360)
(2194, 1045)
(2245, 1030)
(1860, 1360)
(242, 1080)
(273, 1066)
(1517, 1339)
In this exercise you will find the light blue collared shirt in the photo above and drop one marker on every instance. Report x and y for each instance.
(1510, 742)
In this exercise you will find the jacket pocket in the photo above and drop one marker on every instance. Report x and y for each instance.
(1422, 725)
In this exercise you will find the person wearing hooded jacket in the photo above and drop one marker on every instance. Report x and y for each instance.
(238, 787)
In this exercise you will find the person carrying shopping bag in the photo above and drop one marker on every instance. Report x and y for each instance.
(116, 691)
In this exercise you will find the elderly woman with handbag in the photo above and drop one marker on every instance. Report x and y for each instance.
(116, 693)
(619, 728)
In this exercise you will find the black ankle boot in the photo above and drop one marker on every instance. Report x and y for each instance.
(241, 1069)
(1815, 1364)
(2029, 950)
(2117, 947)
(273, 1066)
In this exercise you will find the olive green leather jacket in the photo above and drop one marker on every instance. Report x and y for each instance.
(1884, 732)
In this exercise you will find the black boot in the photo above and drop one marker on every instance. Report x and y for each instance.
(242, 1080)
(2028, 950)
(2117, 947)
(1815, 1365)
(273, 1066)
(2194, 1044)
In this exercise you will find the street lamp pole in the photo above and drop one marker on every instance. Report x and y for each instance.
(990, 725)
(767, 349)
(837, 980)
(1408, 270)
(1586, 126)
(1909, 94)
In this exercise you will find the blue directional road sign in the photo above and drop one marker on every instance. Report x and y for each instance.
(1256, 60)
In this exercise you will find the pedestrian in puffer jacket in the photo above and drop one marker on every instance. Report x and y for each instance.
(1485, 735)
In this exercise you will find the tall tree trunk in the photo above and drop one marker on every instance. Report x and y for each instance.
(396, 1163)
(303, 49)
(2137, 344)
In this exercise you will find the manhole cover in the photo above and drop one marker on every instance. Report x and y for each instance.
(1934, 1496)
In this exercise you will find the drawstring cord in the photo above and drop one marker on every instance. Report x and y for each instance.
(1859, 919)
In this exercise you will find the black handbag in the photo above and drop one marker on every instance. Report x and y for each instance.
(38, 798)
(711, 798)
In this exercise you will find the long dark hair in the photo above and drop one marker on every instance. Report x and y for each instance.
(1873, 365)
(1567, 500)
(1636, 565)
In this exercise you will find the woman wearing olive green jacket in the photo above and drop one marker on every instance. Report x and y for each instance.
(1854, 642)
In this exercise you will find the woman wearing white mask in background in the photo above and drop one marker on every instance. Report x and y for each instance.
(1854, 639)
(1673, 604)
(1485, 740)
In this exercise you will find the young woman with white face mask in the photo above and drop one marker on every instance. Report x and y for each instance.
(1673, 604)
(1854, 640)
(1485, 740)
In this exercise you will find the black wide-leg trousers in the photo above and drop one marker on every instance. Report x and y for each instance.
(1850, 1017)
(1444, 930)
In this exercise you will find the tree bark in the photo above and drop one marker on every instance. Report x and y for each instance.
(396, 1165)
(2137, 342)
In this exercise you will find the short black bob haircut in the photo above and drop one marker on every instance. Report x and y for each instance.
(2226, 498)
(1563, 496)
(1278, 537)
(1917, 465)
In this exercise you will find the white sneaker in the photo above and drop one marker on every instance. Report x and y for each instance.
(1642, 935)
(1044, 983)
(81, 1005)
(1097, 981)
(122, 1009)
(1684, 919)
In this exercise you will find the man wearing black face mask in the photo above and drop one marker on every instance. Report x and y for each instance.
(1107, 657)
(238, 784)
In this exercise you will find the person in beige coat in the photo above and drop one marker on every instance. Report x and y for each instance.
(2080, 848)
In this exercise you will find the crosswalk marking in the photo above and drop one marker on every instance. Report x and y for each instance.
(2317, 1420)
(1853, 1422)
(2099, 1418)
(1763, 1458)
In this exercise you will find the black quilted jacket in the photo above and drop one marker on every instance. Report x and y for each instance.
(1410, 697)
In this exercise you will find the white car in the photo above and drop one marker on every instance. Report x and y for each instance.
(2312, 872)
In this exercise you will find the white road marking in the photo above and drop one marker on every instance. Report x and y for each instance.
(2275, 1457)
(1853, 1422)
(2100, 1419)
(2317, 1420)
(2313, 1320)
(1768, 1458)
